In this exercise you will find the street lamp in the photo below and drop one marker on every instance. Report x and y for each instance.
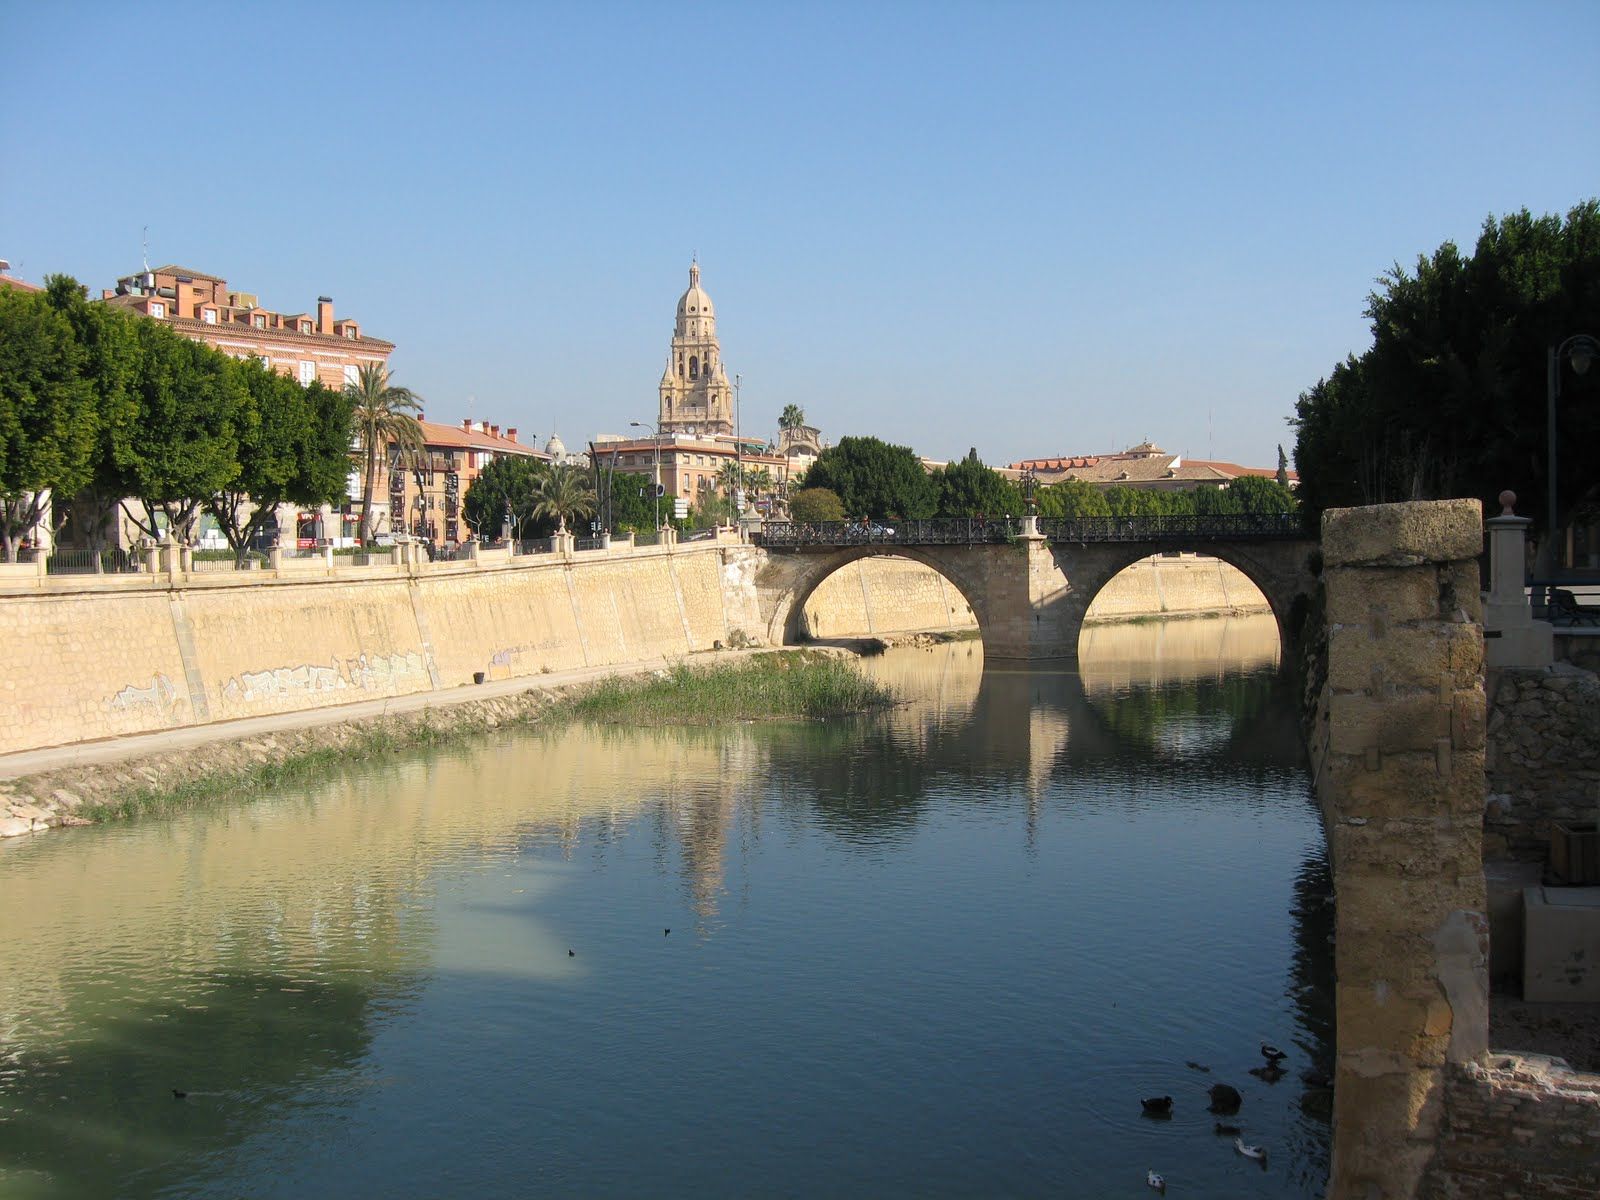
(655, 436)
(1580, 350)
(738, 451)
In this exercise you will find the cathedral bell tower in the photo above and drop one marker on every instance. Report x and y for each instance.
(695, 395)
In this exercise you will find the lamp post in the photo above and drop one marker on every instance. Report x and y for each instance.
(1580, 349)
(655, 436)
(738, 452)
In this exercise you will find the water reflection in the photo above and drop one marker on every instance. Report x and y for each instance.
(952, 942)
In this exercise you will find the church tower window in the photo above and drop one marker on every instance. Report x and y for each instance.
(694, 367)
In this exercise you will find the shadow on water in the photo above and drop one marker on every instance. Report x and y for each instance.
(96, 1115)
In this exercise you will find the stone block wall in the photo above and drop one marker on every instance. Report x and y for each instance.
(1543, 757)
(129, 654)
(1176, 586)
(1517, 1125)
(1400, 780)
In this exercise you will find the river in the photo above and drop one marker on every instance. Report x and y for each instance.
(939, 951)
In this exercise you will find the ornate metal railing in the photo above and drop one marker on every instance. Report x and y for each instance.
(1196, 527)
(1219, 527)
(953, 531)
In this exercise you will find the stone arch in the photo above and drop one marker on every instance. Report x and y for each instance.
(806, 572)
(1278, 570)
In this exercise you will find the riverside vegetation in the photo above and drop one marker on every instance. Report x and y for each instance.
(787, 685)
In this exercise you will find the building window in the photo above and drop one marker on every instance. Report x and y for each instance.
(157, 309)
(350, 332)
(258, 321)
(694, 367)
(308, 373)
(352, 376)
(208, 315)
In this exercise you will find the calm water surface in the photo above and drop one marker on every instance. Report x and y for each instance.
(938, 952)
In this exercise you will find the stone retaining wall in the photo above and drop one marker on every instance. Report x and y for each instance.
(103, 657)
(1517, 1125)
(1543, 759)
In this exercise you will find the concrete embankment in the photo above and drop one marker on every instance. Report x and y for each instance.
(876, 596)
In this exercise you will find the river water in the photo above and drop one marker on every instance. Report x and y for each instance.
(942, 951)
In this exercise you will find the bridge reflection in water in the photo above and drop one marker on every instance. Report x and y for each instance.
(982, 920)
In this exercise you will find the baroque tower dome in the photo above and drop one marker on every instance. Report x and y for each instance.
(695, 395)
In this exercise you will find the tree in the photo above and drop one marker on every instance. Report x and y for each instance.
(111, 363)
(1283, 467)
(816, 504)
(184, 447)
(633, 505)
(506, 483)
(792, 417)
(875, 479)
(295, 450)
(1253, 494)
(1072, 498)
(969, 489)
(383, 415)
(561, 491)
(48, 416)
(1450, 397)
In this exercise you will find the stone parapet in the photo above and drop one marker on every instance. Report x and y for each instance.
(1543, 757)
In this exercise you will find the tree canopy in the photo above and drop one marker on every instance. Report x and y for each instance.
(816, 504)
(1450, 398)
(967, 488)
(385, 415)
(875, 479)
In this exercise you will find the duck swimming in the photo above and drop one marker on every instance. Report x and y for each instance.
(1255, 1152)
(1156, 1182)
(1271, 1053)
(1157, 1106)
(1225, 1100)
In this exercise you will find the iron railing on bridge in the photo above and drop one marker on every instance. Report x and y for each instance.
(978, 530)
(1188, 527)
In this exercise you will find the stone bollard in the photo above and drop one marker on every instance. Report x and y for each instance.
(1513, 637)
(1401, 784)
(327, 556)
(275, 555)
(605, 542)
(186, 558)
(472, 550)
(152, 558)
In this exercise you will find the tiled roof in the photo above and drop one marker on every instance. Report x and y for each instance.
(22, 285)
(455, 437)
(191, 273)
(1233, 470)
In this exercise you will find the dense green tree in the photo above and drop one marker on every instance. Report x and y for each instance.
(507, 483)
(111, 363)
(1072, 498)
(875, 479)
(967, 488)
(184, 447)
(1255, 494)
(561, 491)
(1450, 398)
(816, 504)
(48, 418)
(385, 420)
(632, 501)
(294, 450)
(1283, 467)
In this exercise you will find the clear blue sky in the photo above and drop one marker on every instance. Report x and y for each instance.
(1028, 228)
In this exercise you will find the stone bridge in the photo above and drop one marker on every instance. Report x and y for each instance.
(1029, 582)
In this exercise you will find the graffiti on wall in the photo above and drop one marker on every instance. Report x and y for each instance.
(365, 673)
(158, 696)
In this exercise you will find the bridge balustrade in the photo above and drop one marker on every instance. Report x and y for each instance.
(1213, 527)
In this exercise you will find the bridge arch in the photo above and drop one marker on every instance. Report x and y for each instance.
(787, 600)
(1270, 567)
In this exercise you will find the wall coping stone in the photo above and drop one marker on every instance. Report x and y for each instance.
(1405, 534)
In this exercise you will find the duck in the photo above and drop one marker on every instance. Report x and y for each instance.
(1157, 1106)
(1228, 1130)
(1225, 1100)
(1194, 1066)
(1271, 1053)
(1255, 1152)
(177, 1095)
(1156, 1181)
(1270, 1073)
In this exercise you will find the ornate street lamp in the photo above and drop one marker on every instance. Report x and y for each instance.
(1580, 350)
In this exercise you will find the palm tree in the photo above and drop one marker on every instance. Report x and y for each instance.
(383, 416)
(728, 478)
(563, 491)
(759, 480)
(794, 417)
